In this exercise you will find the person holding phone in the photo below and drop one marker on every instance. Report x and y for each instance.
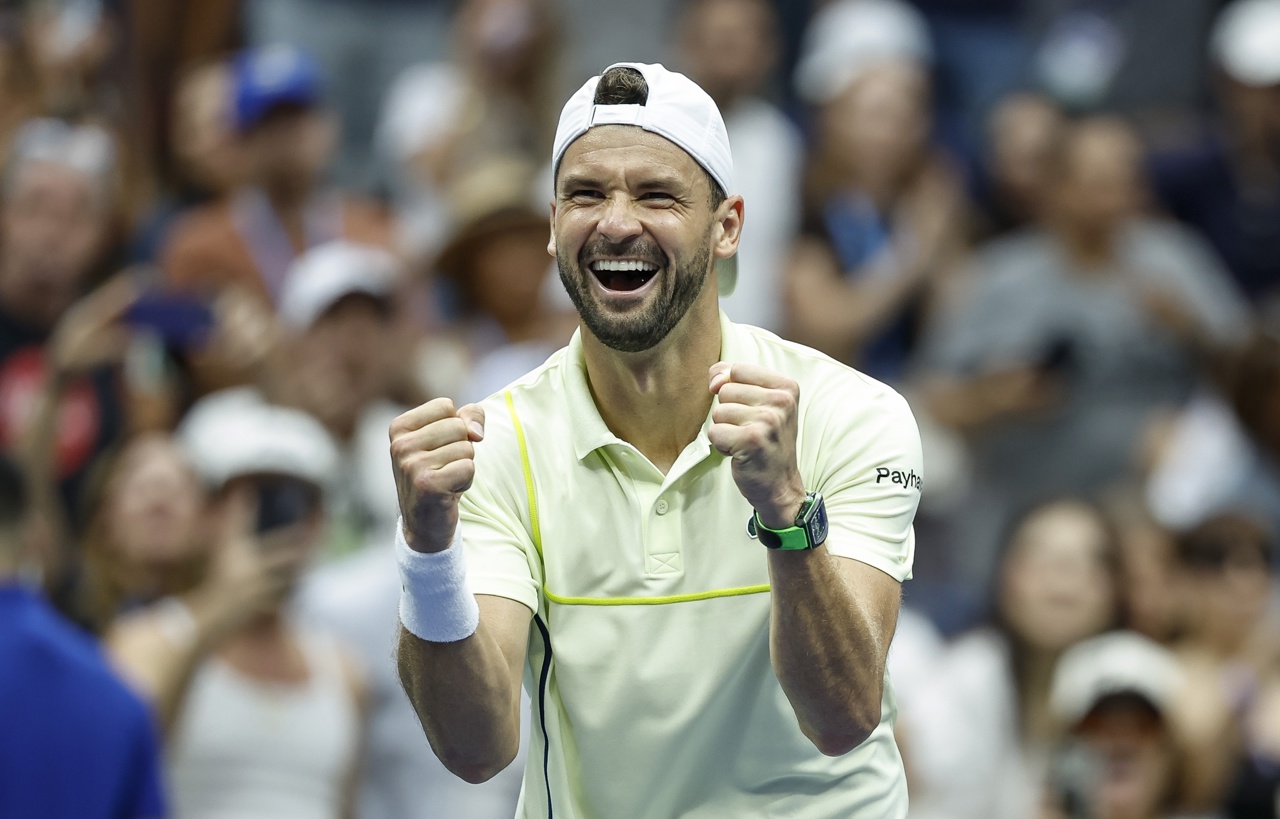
(262, 716)
(687, 535)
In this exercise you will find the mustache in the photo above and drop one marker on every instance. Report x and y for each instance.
(638, 248)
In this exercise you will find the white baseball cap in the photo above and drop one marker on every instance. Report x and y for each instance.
(847, 36)
(1246, 42)
(319, 278)
(235, 432)
(677, 109)
(1120, 662)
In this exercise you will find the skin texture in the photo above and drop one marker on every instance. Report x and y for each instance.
(652, 358)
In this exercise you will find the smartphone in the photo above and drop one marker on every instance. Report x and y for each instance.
(180, 321)
(284, 502)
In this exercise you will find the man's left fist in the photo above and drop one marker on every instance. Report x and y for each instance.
(755, 425)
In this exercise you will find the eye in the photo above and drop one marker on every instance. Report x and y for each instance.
(585, 194)
(657, 197)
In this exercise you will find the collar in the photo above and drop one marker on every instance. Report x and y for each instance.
(587, 427)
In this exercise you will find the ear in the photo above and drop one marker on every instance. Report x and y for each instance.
(728, 231)
(551, 242)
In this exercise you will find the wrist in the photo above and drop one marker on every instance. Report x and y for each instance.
(422, 543)
(781, 512)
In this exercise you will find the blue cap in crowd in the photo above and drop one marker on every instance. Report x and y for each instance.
(271, 76)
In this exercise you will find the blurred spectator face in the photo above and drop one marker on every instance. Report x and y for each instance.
(877, 127)
(729, 47)
(1057, 587)
(507, 273)
(502, 37)
(202, 132)
(155, 505)
(1135, 758)
(345, 364)
(1227, 580)
(288, 149)
(1023, 130)
(1097, 185)
(55, 226)
(1151, 601)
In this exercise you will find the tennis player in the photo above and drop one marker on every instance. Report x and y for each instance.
(686, 536)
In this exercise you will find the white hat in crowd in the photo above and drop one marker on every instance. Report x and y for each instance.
(846, 37)
(235, 433)
(1246, 42)
(322, 276)
(678, 110)
(1120, 662)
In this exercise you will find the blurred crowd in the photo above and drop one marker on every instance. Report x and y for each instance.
(238, 237)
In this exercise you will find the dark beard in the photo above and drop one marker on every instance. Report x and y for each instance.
(644, 330)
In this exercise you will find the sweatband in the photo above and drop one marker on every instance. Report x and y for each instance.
(435, 603)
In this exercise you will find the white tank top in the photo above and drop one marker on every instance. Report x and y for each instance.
(247, 749)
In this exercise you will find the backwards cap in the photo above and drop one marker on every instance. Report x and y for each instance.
(678, 110)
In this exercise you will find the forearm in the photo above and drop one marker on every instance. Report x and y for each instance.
(466, 699)
(828, 647)
(839, 316)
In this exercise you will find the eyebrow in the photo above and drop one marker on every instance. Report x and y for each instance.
(663, 182)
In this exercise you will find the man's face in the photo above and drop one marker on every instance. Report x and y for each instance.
(728, 47)
(634, 234)
(53, 231)
(289, 147)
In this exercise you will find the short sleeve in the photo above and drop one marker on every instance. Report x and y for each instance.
(494, 513)
(862, 452)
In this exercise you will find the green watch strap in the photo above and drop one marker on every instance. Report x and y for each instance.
(791, 539)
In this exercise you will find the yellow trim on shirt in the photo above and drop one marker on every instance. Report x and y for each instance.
(655, 601)
(599, 601)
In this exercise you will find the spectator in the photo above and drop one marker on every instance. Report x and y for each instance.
(264, 716)
(730, 48)
(1228, 184)
(1227, 651)
(339, 361)
(881, 210)
(147, 537)
(363, 45)
(1021, 135)
(1117, 695)
(497, 263)
(1077, 334)
(76, 744)
(981, 735)
(57, 210)
(444, 120)
(283, 207)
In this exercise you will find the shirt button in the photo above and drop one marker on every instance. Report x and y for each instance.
(661, 507)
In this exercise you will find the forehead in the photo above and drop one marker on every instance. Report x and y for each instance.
(48, 178)
(627, 151)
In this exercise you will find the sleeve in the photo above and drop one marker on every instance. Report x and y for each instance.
(494, 514)
(863, 454)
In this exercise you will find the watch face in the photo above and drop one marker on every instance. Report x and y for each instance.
(818, 522)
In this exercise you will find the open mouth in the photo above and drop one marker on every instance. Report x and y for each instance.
(623, 275)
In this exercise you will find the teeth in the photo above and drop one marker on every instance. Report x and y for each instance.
(624, 266)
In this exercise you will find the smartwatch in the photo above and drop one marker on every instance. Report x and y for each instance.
(808, 532)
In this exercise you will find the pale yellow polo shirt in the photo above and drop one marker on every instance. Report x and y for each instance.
(657, 697)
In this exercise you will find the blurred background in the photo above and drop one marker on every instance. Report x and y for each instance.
(238, 237)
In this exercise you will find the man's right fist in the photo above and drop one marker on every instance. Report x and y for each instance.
(433, 458)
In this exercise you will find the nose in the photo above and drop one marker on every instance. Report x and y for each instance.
(618, 223)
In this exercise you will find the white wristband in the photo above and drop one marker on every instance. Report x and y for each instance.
(435, 603)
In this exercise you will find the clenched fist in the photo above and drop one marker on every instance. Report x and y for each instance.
(755, 425)
(433, 458)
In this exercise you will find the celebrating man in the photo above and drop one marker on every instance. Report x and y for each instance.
(678, 530)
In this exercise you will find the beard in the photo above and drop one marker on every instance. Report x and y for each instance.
(645, 326)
